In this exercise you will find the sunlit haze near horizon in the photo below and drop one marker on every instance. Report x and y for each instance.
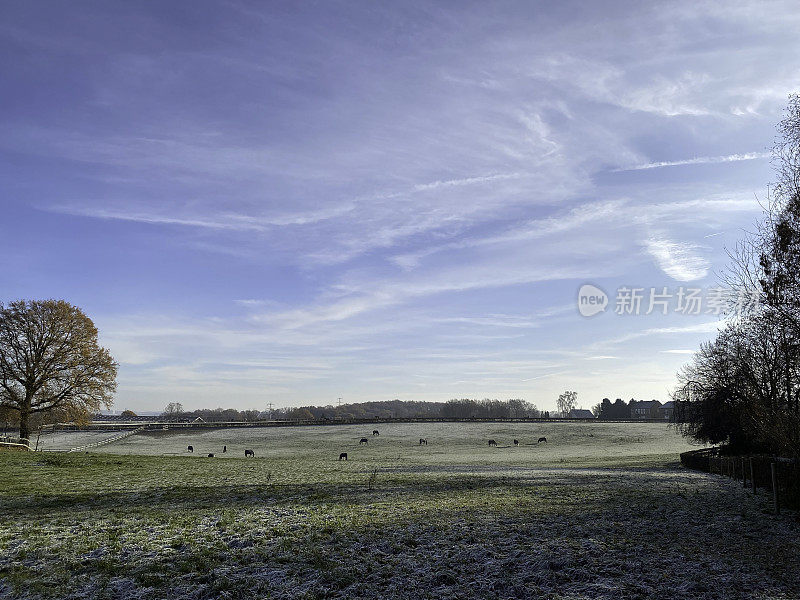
(290, 203)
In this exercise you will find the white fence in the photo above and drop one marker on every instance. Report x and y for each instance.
(14, 443)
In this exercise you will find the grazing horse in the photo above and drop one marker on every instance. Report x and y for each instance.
(190, 449)
(492, 443)
(516, 442)
(542, 439)
(343, 455)
(211, 455)
(224, 449)
(375, 432)
(423, 442)
(363, 441)
(249, 453)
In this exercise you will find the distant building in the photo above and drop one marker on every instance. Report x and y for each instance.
(667, 410)
(580, 413)
(646, 409)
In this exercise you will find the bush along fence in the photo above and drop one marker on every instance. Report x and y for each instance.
(779, 476)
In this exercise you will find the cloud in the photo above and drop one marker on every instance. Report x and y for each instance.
(705, 327)
(366, 296)
(221, 221)
(512, 321)
(421, 187)
(402, 208)
(679, 260)
(703, 160)
(545, 376)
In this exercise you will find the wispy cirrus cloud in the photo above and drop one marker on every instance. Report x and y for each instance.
(680, 260)
(420, 187)
(321, 192)
(701, 160)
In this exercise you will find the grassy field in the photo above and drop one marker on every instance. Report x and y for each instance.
(599, 511)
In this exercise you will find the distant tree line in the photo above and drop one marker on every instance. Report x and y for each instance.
(457, 408)
(488, 409)
(175, 412)
(462, 408)
(742, 390)
(387, 409)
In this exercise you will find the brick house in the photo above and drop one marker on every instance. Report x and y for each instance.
(645, 409)
(666, 411)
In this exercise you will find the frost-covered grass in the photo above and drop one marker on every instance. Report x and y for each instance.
(594, 514)
(448, 443)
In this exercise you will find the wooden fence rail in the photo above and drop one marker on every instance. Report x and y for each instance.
(778, 475)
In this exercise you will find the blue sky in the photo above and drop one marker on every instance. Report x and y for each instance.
(290, 203)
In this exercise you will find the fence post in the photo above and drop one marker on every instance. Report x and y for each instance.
(752, 475)
(775, 501)
(744, 475)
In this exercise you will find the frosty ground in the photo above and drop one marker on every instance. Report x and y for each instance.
(599, 511)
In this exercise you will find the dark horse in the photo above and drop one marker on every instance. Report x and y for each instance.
(423, 442)
(190, 449)
(363, 441)
(516, 442)
(375, 432)
(211, 455)
(224, 449)
(249, 453)
(492, 443)
(542, 440)
(343, 455)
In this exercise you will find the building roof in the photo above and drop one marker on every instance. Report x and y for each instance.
(652, 403)
(580, 413)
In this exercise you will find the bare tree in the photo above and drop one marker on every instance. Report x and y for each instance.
(566, 402)
(173, 409)
(766, 263)
(50, 361)
(744, 388)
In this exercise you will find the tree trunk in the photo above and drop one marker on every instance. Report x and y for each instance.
(24, 431)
